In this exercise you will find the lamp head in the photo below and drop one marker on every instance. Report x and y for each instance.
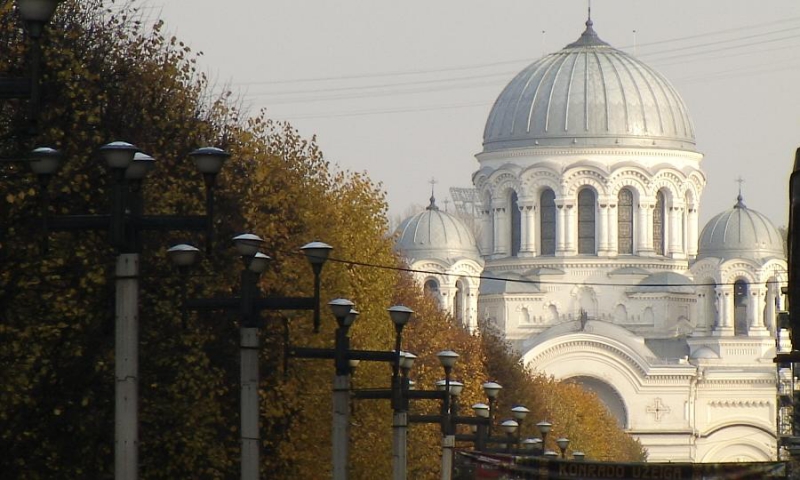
(248, 244)
(45, 161)
(258, 263)
(183, 255)
(531, 443)
(544, 427)
(407, 360)
(340, 308)
(400, 315)
(550, 454)
(579, 456)
(520, 412)
(562, 443)
(481, 410)
(316, 252)
(140, 166)
(36, 14)
(209, 160)
(492, 389)
(118, 155)
(351, 317)
(509, 426)
(447, 358)
(455, 387)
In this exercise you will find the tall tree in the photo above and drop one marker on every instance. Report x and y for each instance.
(109, 75)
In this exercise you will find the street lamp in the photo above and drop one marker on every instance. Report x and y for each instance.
(250, 304)
(519, 413)
(35, 14)
(563, 443)
(510, 427)
(491, 390)
(124, 223)
(343, 356)
(544, 428)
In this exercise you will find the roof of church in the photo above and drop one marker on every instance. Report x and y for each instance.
(589, 94)
(740, 233)
(434, 234)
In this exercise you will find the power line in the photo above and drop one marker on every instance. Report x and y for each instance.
(527, 281)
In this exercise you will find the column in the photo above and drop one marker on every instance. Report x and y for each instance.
(486, 232)
(755, 311)
(613, 225)
(675, 232)
(602, 228)
(502, 229)
(528, 247)
(561, 222)
(649, 211)
(724, 310)
(570, 232)
(692, 224)
(641, 230)
(523, 230)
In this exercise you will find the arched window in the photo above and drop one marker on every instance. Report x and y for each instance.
(516, 225)
(740, 307)
(625, 221)
(658, 224)
(431, 288)
(458, 303)
(586, 230)
(547, 221)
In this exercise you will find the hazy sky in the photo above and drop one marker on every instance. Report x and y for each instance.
(402, 90)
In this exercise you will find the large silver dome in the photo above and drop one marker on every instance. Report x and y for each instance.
(435, 234)
(740, 233)
(589, 94)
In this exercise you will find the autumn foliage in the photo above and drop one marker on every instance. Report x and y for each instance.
(109, 75)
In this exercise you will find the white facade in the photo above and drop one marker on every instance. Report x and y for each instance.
(599, 272)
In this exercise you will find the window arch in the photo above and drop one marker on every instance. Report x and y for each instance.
(431, 288)
(659, 236)
(740, 291)
(625, 221)
(516, 224)
(547, 222)
(586, 221)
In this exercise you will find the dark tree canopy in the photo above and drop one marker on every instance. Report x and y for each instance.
(109, 75)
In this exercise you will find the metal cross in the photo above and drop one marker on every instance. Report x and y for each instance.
(658, 409)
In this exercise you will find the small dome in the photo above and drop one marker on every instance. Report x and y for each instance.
(740, 233)
(589, 94)
(435, 234)
(705, 353)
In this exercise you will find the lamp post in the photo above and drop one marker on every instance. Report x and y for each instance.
(563, 443)
(447, 359)
(124, 224)
(544, 428)
(343, 357)
(400, 388)
(519, 413)
(250, 304)
(510, 427)
(35, 14)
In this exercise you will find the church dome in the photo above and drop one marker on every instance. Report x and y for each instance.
(588, 94)
(740, 233)
(435, 234)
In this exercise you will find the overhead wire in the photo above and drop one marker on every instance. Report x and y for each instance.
(357, 263)
(394, 89)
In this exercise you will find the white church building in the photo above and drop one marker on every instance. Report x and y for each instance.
(590, 258)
